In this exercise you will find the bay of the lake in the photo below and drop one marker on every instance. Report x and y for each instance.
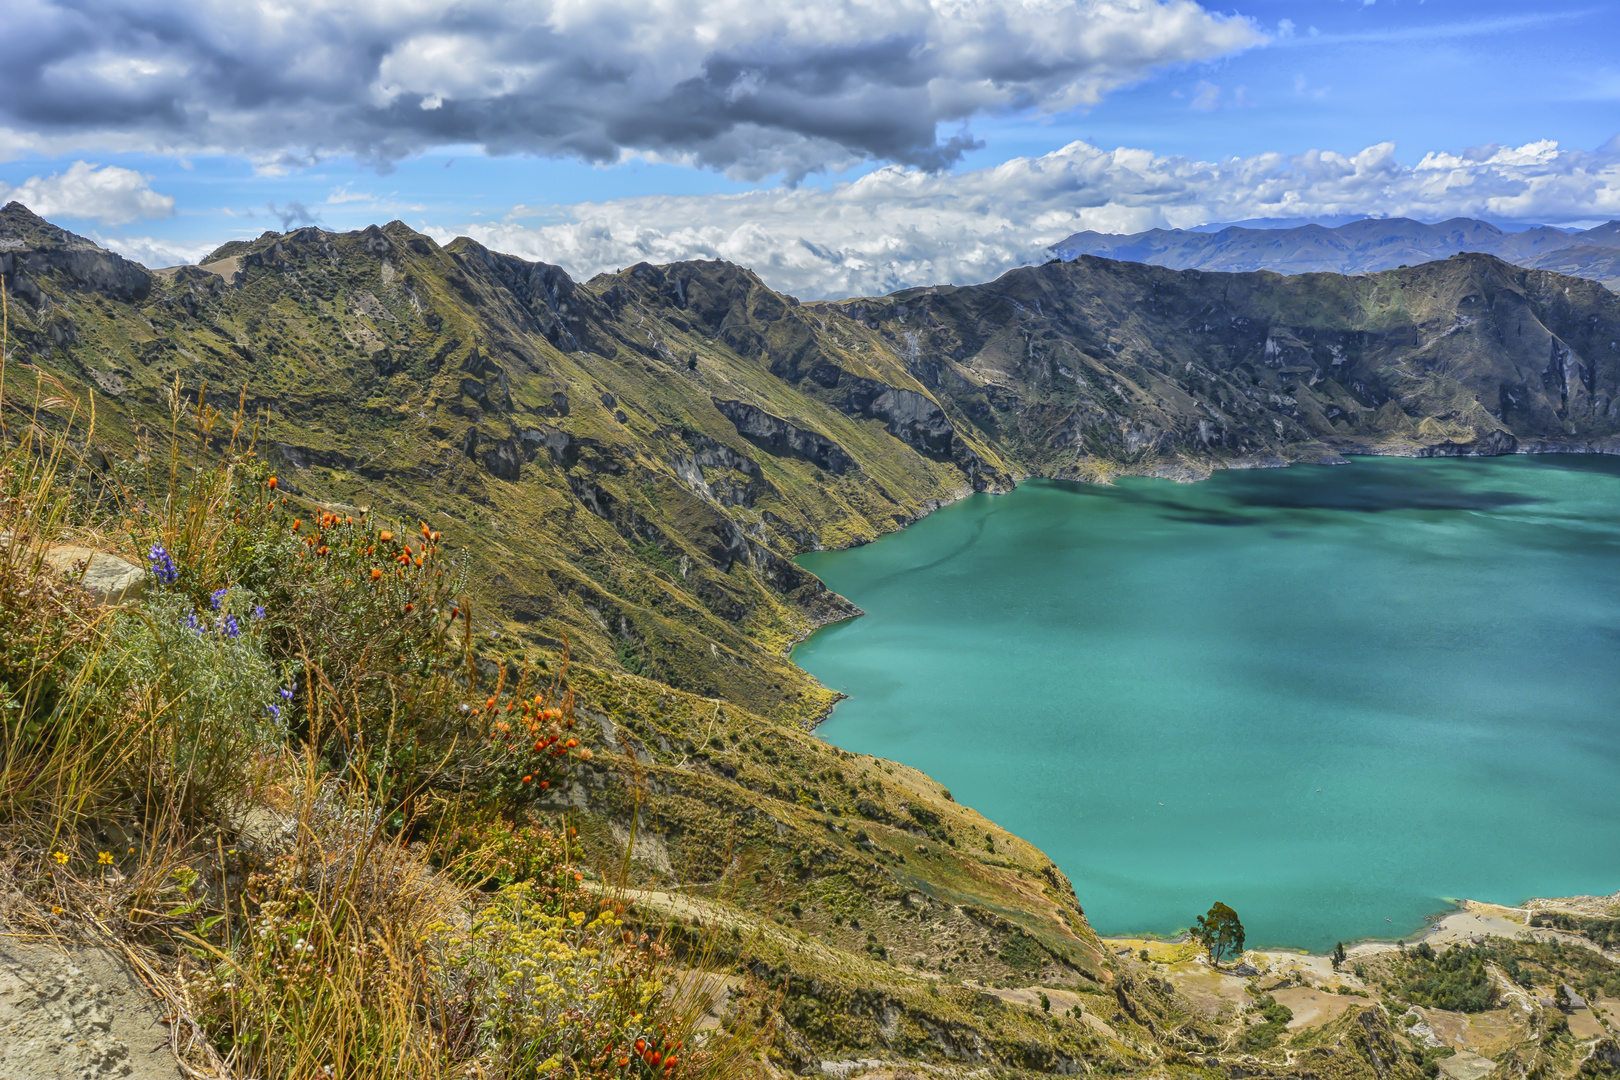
(1331, 697)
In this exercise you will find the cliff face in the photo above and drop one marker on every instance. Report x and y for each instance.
(1143, 366)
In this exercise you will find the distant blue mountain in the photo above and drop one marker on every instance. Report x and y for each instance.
(1363, 245)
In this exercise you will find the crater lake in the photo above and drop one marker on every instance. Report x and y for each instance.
(1331, 697)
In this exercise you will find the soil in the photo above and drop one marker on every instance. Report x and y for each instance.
(70, 1012)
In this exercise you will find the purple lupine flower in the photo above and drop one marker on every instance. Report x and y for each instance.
(274, 711)
(228, 627)
(287, 691)
(163, 568)
(258, 613)
(218, 597)
(194, 624)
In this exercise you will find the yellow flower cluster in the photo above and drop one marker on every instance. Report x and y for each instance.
(565, 986)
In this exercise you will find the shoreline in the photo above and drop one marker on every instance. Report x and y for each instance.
(1470, 921)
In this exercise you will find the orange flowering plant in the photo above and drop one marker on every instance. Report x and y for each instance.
(365, 615)
(531, 741)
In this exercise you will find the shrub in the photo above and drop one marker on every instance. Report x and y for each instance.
(327, 656)
(1264, 1035)
(562, 986)
(1455, 979)
(1603, 932)
(205, 673)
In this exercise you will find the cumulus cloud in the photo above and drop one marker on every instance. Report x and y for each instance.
(752, 87)
(109, 194)
(897, 227)
(153, 252)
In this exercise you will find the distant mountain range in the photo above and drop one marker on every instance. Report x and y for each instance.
(1359, 247)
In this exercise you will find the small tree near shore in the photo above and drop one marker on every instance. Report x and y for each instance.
(1220, 933)
(1339, 956)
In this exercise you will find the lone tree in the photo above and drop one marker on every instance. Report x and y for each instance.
(1338, 956)
(1220, 933)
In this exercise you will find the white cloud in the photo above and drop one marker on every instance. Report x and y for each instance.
(109, 195)
(752, 87)
(897, 227)
(342, 195)
(153, 252)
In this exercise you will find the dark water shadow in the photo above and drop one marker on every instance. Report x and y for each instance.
(1371, 490)
(1374, 496)
(1208, 517)
(970, 541)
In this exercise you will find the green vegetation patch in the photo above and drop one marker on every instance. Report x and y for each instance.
(1456, 979)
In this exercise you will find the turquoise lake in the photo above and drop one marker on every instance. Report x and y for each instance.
(1331, 697)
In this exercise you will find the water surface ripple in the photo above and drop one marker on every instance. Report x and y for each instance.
(1329, 697)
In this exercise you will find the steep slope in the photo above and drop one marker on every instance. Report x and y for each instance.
(1357, 247)
(636, 484)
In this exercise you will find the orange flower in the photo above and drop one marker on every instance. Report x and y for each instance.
(271, 483)
(641, 1046)
(623, 1062)
(385, 536)
(544, 784)
(419, 560)
(297, 522)
(489, 703)
(409, 608)
(375, 573)
(526, 779)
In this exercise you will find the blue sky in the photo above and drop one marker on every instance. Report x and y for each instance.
(1188, 91)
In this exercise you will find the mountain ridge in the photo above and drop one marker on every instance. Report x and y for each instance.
(1363, 246)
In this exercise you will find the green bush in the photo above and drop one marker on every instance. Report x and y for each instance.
(205, 672)
(1275, 1018)
(1455, 979)
(361, 612)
